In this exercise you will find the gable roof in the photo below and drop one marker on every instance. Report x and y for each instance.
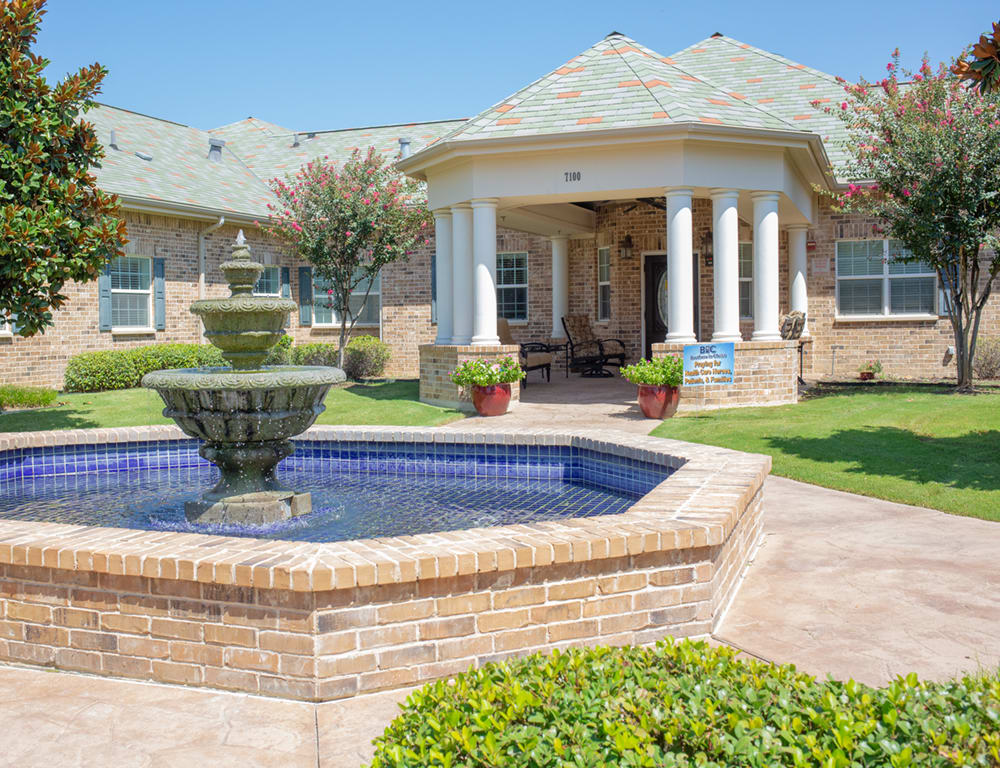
(773, 83)
(616, 83)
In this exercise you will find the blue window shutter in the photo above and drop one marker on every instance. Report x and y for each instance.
(286, 288)
(159, 295)
(104, 298)
(305, 296)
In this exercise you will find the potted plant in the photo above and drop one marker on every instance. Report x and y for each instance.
(490, 382)
(869, 370)
(659, 382)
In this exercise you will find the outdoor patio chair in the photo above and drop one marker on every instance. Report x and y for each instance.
(534, 355)
(588, 354)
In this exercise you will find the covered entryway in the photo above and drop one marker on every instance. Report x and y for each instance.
(656, 298)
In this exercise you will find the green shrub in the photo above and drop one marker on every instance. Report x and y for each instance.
(124, 368)
(986, 364)
(98, 371)
(12, 396)
(365, 357)
(687, 704)
(481, 372)
(280, 353)
(315, 353)
(660, 371)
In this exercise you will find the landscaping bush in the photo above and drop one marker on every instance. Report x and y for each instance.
(687, 704)
(280, 353)
(12, 396)
(365, 357)
(315, 353)
(986, 364)
(124, 368)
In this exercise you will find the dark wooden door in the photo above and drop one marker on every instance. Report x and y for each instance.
(653, 284)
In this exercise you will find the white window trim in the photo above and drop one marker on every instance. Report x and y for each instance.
(335, 318)
(525, 285)
(122, 330)
(745, 279)
(885, 277)
(6, 328)
(601, 283)
(278, 293)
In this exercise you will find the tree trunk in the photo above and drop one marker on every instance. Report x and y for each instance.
(344, 312)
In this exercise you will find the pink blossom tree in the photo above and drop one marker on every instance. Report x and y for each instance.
(348, 222)
(925, 157)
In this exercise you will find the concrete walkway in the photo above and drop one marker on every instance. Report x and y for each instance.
(842, 585)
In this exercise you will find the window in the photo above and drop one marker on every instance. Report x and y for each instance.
(269, 283)
(872, 281)
(746, 281)
(512, 285)
(131, 292)
(324, 314)
(603, 283)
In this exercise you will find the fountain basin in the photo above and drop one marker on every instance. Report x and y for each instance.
(322, 620)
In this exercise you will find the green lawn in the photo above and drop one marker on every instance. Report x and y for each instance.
(393, 403)
(913, 444)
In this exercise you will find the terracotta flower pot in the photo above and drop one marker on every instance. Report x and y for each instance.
(866, 375)
(658, 402)
(492, 400)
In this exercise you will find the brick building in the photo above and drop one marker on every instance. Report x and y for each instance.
(574, 195)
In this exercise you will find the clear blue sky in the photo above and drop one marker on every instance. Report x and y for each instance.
(314, 64)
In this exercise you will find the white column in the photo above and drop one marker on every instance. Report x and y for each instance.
(461, 273)
(443, 271)
(797, 272)
(560, 284)
(680, 274)
(726, 249)
(484, 256)
(765, 266)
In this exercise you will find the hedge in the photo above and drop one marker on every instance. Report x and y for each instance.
(315, 353)
(365, 357)
(687, 704)
(124, 368)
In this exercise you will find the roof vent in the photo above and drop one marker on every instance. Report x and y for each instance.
(311, 135)
(717, 34)
(404, 148)
(296, 139)
(143, 156)
(215, 149)
(613, 34)
(114, 139)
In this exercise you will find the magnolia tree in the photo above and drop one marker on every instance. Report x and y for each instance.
(348, 222)
(925, 154)
(56, 226)
(983, 71)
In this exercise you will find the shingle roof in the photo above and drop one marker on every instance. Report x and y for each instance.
(255, 152)
(781, 86)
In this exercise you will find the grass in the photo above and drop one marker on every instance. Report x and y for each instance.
(391, 404)
(13, 397)
(918, 445)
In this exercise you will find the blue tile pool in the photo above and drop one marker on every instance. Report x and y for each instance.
(359, 490)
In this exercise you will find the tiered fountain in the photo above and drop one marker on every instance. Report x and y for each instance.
(245, 413)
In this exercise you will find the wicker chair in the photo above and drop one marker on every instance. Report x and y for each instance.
(588, 354)
(534, 355)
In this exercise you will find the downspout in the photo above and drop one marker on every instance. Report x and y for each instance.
(202, 256)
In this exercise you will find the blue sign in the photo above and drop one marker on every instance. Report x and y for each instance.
(708, 364)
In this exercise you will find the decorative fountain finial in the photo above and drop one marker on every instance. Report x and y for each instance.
(245, 413)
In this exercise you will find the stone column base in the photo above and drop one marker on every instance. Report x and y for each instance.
(766, 373)
(437, 361)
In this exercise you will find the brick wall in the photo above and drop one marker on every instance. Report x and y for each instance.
(765, 373)
(437, 363)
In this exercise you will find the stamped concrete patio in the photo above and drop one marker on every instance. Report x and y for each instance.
(842, 585)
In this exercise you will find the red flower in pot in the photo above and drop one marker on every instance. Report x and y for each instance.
(490, 382)
(659, 382)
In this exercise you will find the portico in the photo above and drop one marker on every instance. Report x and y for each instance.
(725, 190)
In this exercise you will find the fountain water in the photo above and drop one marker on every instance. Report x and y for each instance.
(245, 413)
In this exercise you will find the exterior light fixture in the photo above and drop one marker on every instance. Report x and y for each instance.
(625, 249)
(707, 248)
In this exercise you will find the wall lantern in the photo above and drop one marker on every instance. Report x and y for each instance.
(707, 248)
(625, 249)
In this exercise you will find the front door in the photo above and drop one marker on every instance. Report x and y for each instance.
(656, 300)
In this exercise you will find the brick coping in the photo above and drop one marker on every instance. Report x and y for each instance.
(698, 505)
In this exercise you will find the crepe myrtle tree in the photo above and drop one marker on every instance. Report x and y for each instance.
(925, 155)
(348, 222)
(56, 226)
